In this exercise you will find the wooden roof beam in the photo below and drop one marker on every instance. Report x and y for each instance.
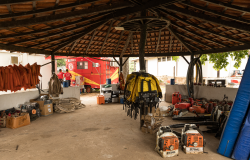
(118, 42)
(72, 47)
(180, 34)
(95, 10)
(10, 2)
(107, 35)
(206, 30)
(126, 44)
(222, 14)
(92, 37)
(55, 27)
(24, 49)
(62, 16)
(203, 17)
(76, 37)
(126, 55)
(50, 9)
(57, 33)
(170, 42)
(183, 43)
(159, 38)
(197, 35)
(217, 50)
(132, 44)
(228, 5)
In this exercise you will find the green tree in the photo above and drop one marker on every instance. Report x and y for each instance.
(175, 58)
(131, 65)
(220, 60)
(61, 62)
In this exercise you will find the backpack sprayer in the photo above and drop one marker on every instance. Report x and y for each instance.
(142, 90)
(167, 143)
(192, 139)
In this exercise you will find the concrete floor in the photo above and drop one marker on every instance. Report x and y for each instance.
(94, 132)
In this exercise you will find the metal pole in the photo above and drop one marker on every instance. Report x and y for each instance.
(143, 39)
(142, 47)
(53, 63)
(192, 76)
(120, 59)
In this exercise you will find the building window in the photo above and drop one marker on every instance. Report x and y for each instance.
(71, 60)
(95, 64)
(85, 65)
(82, 65)
(159, 59)
(14, 60)
(163, 59)
(169, 58)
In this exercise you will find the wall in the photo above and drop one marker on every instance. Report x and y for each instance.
(152, 66)
(201, 92)
(14, 99)
(182, 66)
(24, 59)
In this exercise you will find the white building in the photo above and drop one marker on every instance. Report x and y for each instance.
(8, 58)
(165, 66)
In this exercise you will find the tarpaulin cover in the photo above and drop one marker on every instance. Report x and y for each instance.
(237, 115)
(242, 147)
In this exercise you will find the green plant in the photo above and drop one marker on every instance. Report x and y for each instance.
(61, 62)
(220, 60)
(175, 58)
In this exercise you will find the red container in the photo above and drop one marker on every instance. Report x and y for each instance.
(100, 99)
(191, 100)
(176, 98)
(182, 106)
(197, 109)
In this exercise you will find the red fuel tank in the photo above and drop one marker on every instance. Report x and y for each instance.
(183, 106)
(176, 98)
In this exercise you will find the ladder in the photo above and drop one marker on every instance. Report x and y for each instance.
(107, 69)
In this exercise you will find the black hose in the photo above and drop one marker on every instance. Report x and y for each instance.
(189, 78)
(202, 118)
(199, 123)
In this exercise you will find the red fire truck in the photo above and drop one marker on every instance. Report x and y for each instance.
(94, 70)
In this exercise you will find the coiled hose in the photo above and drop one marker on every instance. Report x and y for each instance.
(190, 75)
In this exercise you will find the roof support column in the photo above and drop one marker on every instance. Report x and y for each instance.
(192, 76)
(53, 63)
(120, 64)
(142, 44)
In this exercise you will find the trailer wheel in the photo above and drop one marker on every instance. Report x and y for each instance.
(88, 89)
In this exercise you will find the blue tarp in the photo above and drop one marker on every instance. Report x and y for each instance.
(237, 115)
(242, 147)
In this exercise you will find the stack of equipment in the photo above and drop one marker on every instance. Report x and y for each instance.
(115, 96)
(32, 109)
(167, 143)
